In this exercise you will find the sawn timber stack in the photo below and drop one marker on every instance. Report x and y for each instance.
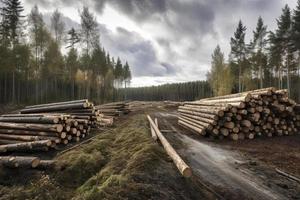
(264, 112)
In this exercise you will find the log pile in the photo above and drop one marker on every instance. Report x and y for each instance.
(264, 112)
(114, 109)
(42, 127)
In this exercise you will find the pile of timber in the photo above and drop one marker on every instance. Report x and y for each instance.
(113, 109)
(264, 112)
(42, 127)
(140, 105)
(173, 103)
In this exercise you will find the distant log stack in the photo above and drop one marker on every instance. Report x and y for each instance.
(114, 109)
(264, 112)
(42, 127)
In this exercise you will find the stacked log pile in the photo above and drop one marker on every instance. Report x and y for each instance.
(114, 109)
(41, 127)
(265, 112)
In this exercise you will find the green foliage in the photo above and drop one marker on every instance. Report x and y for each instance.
(38, 72)
(176, 91)
(219, 75)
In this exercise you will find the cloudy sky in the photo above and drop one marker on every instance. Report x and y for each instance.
(167, 41)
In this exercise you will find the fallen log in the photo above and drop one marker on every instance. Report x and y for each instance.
(184, 169)
(153, 134)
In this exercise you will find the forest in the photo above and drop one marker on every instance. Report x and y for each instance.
(187, 91)
(271, 58)
(42, 64)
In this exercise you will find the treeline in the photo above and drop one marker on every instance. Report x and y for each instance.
(177, 92)
(269, 59)
(33, 68)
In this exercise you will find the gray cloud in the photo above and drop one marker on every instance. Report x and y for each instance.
(183, 33)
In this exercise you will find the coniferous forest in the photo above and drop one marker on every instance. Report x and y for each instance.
(33, 68)
(270, 59)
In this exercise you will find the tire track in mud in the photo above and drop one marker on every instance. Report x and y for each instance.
(216, 169)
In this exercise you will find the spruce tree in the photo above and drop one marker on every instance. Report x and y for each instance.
(258, 48)
(11, 25)
(239, 50)
(284, 36)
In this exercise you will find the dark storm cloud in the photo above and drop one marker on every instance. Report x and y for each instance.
(139, 51)
(183, 33)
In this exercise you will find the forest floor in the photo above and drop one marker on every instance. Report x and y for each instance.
(123, 162)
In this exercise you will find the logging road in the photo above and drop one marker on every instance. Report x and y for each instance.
(224, 170)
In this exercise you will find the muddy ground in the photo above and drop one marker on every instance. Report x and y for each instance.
(238, 170)
(123, 162)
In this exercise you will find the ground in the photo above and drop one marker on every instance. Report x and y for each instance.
(124, 162)
(121, 163)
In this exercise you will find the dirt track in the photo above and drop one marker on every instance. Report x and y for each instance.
(231, 170)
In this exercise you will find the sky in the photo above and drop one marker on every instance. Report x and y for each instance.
(166, 41)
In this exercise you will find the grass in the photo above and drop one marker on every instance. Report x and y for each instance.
(121, 164)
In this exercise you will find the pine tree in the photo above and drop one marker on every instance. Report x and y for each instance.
(283, 35)
(11, 24)
(258, 49)
(296, 38)
(217, 67)
(118, 72)
(72, 66)
(57, 26)
(239, 50)
(89, 29)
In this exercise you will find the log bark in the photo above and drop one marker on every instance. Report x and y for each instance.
(204, 115)
(54, 108)
(25, 146)
(200, 123)
(58, 103)
(35, 133)
(208, 110)
(184, 169)
(19, 161)
(36, 127)
(153, 134)
(28, 138)
(201, 119)
(39, 120)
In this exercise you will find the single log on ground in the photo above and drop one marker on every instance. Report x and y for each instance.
(184, 169)
(153, 134)
(19, 161)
